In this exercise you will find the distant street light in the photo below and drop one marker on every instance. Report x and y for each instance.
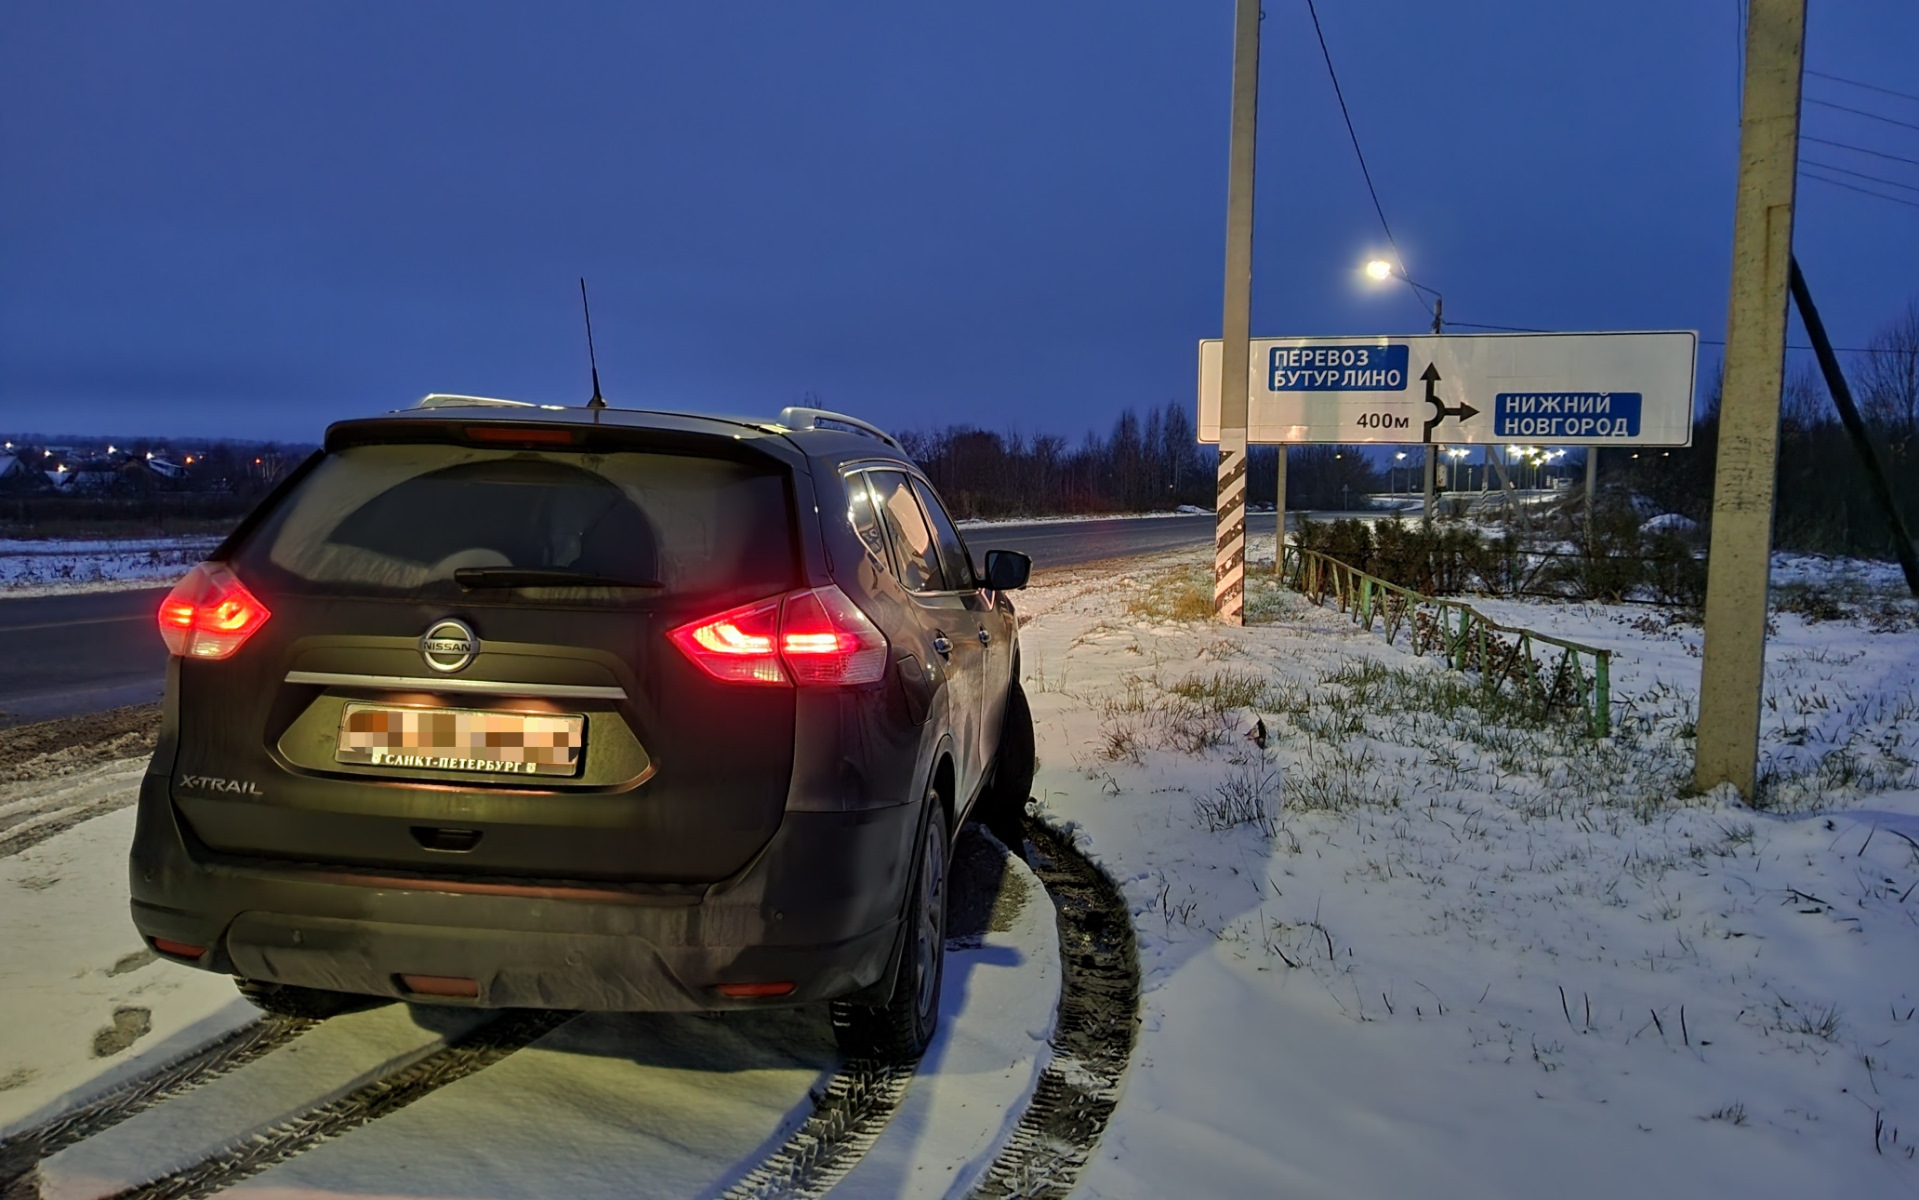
(1380, 269)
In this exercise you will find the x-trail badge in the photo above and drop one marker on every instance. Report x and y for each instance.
(449, 645)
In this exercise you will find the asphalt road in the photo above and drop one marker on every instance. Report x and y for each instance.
(62, 655)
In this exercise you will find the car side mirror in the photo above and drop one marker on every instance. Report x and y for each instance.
(1007, 570)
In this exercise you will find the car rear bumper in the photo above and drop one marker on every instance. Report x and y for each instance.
(819, 908)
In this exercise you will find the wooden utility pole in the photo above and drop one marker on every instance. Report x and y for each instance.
(1235, 367)
(1732, 676)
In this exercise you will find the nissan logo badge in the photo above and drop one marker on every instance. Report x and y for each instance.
(449, 645)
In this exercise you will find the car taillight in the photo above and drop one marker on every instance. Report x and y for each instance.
(738, 646)
(210, 614)
(817, 638)
(825, 639)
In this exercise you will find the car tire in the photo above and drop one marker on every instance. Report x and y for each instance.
(1002, 803)
(288, 1000)
(900, 1029)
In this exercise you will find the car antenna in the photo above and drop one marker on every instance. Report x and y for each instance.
(598, 401)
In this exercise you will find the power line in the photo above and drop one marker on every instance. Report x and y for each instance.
(1360, 154)
(1841, 349)
(1806, 162)
(1806, 137)
(1702, 341)
(1855, 188)
(1862, 113)
(1871, 87)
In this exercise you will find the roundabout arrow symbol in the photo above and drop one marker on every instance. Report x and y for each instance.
(1441, 410)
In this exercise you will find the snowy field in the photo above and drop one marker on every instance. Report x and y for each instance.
(1419, 944)
(59, 566)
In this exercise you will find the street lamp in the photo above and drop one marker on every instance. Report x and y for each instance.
(1379, 271)
(1399, 457)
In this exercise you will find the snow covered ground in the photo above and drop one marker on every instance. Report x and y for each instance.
(607, 1105)
(58, 566)
(1423, 945)
(1417, 943)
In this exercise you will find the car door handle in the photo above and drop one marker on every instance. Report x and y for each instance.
(942, 644)
(985, 638)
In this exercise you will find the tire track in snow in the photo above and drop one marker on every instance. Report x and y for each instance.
(847, 1118)
(253, 1152)
(53, 807)
(1077, 1090)
(1093, 1039)
(23, 1151)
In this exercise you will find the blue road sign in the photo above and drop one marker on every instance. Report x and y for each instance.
(1566, 416)
(1336, 368)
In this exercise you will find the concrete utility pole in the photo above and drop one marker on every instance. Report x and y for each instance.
(1732, 676)
(1235, 367)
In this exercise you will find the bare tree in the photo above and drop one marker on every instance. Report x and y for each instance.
(1888, 376)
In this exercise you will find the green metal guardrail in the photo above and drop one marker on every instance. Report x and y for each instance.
(1504, 656)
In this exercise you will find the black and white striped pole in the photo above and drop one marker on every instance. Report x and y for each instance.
(1229, 554)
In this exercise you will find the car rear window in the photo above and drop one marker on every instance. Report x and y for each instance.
(404, 518)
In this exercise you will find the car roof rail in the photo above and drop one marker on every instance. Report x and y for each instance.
(446, 400)
(796, 417)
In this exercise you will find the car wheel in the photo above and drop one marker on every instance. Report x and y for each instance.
(900, 1029)
(288, 1000)
(1002, 803)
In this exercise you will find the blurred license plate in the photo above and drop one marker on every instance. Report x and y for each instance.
(461, 739)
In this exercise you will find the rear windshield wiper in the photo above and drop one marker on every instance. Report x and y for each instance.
(521, 577)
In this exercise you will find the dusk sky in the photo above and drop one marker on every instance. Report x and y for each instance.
(252, 219)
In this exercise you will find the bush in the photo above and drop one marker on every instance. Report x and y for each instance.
(1605, 564)
(1676, 574)
(1612, 559)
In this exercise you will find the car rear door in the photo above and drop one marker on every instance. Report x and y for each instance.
(946, 616)
(991, 621)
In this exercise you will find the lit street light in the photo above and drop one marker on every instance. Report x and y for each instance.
(1379, 271)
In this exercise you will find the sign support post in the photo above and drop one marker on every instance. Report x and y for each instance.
(1732, 674)
(1229, 547)
(1279, 509)
(1432, 451)
(1592, 488)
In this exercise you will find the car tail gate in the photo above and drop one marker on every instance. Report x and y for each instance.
(461, 657)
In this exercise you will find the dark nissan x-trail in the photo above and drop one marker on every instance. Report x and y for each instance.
(522, 706)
